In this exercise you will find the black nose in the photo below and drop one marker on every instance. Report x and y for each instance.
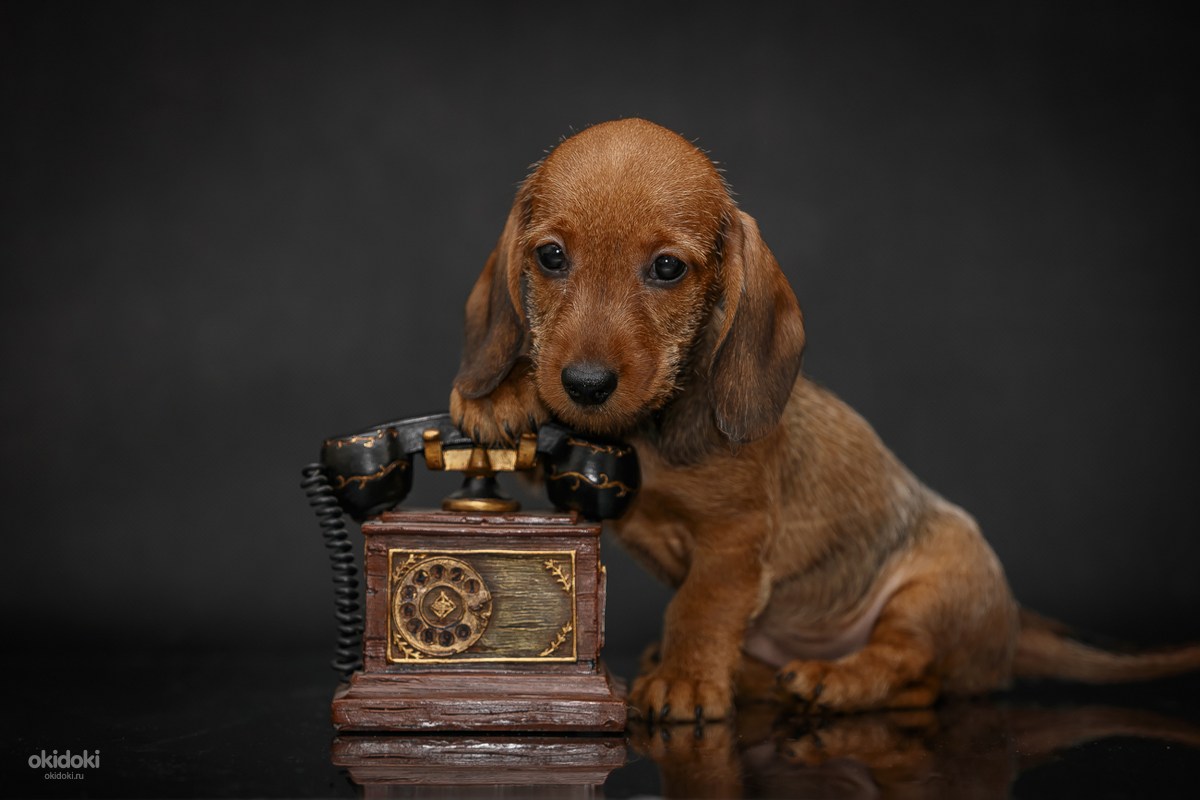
(589, 384)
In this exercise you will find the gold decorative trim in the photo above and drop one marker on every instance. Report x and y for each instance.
(406, 652)
(558, 640)
(367, 440)
(362, 480)
(397, 571)
(600, 448)
(566, 581)
(602, 483)
(492, 505)
(521, 455)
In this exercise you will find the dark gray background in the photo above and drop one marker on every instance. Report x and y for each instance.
(228, 231)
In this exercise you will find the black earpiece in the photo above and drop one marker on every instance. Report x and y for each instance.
(597, 478)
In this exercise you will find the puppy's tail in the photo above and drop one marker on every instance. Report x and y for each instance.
(1046, 649)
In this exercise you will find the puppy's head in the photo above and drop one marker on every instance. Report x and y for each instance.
(626, 273)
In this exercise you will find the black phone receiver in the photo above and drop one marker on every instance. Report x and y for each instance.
(371, 471)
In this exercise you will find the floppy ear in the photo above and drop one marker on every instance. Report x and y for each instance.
(494, 333)
(761, 341)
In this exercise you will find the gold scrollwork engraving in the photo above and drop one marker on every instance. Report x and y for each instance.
(405, 651)
(567, 582)
(398, 570)
(341, 481)
(602, 482)
(558, 640)
(600, 448)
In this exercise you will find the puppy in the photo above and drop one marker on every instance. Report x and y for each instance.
(628, 296)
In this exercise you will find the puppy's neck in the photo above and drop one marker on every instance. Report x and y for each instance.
(684, 431)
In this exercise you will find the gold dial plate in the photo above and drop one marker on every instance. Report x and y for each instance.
(480, 606)
(441, 606)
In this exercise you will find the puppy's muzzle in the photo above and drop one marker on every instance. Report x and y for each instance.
(588, 384)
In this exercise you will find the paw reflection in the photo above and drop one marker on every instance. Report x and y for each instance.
(976, 748)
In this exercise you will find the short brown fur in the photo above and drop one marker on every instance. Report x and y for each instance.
(792, 535)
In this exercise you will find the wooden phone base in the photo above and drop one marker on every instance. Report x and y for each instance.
(484, 701)
(461, 765)
(482, 621)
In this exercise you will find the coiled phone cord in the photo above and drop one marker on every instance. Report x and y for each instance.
(348, 653)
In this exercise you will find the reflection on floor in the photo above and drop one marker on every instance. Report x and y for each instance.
(975, 748)
(256, 723)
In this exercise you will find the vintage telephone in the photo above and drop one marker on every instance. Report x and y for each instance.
(366, 473)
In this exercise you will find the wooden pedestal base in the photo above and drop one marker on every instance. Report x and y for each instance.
(496, 766)
(481, 701)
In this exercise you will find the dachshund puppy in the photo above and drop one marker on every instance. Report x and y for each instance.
(628, 296)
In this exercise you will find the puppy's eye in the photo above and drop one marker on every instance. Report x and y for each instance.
(667, 269)
(551, 257)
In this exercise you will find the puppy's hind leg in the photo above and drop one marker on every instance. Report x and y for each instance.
(895, 669)
(951, 626)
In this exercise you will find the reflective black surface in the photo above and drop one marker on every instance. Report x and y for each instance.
(242, 724)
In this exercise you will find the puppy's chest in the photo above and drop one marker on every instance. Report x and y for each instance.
(662, 524)
(660, 541)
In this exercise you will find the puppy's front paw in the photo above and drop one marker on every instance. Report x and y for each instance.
(501, 417)
(670, 694)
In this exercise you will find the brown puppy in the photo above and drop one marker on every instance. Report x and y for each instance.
(629, 296)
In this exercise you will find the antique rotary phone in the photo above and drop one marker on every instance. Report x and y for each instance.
(478, 616)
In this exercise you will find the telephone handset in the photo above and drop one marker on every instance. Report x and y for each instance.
(371, 471)
(366, 473)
